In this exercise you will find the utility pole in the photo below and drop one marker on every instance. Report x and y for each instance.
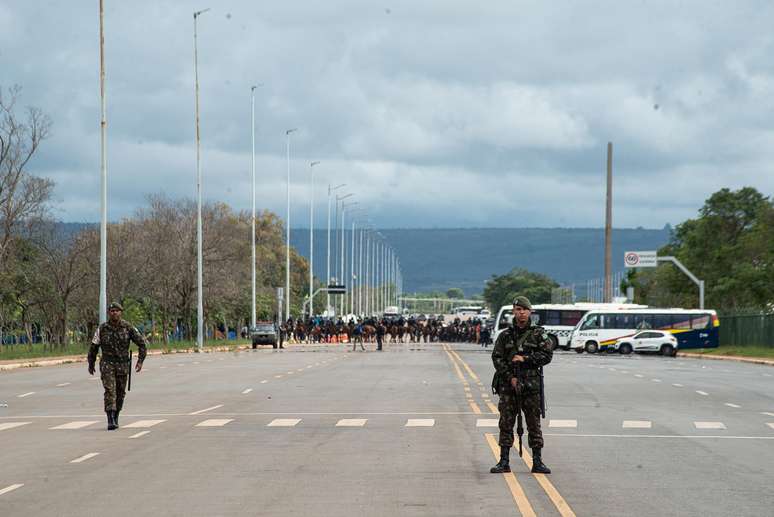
(608, 297)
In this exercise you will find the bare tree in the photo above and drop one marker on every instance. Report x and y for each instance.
(23, 196)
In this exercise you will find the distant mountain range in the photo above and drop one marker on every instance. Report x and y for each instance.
(440, 258)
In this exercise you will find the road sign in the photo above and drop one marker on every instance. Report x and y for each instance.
(337, 289)
(641, 259)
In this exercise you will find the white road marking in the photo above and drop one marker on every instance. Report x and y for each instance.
(351, 422)
(310, 366)
(770, 424)
(767, 413)
(702, 393)
(624, 371)
(563, 423)
(141, 433)
(290, 372)
(420, 422)
(264, 381)
(639, 376)
(637, 424)
(80, 424)
(678, 385)
(85, 457)
(486, 422)
(278, 376)
(656, 380)
(709, 425)
(143, 424)
(62, 385)
(26, 394)
(662, 436)
(11, 488)
(733, 405)
(162, 367)
(300, 370)
(248, 390)
(205, 410)
(11, 425)
(284, 422)
(214, 422)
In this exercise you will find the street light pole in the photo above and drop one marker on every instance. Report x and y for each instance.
(311, 241)
(199, 261)
(252, 221)
(328, 277)
(103, 172)
(343, 237)
(287, 231)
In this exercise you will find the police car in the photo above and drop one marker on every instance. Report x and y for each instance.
(648, 341)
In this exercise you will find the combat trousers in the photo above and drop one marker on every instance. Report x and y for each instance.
(114, 377)
(530, 406)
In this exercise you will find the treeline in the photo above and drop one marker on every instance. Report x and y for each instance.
(730, 245)
(50, 284)
(49, 278)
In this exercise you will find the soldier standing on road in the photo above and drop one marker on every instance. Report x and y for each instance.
(518, 356)
(114, 337)
(381, 330)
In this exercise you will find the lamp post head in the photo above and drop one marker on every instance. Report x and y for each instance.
(197, 13)
(291, 131)
(314, 163)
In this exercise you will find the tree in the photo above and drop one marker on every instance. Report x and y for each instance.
(729, 246)
(501, 290)
(23, 197)
(455, 292)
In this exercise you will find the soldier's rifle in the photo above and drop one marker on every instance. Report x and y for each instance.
(519, 423)
(129, 386)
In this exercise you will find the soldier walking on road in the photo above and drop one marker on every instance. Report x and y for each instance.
(519, 356)
(114, 337)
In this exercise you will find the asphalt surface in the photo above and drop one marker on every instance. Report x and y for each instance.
(322, 430)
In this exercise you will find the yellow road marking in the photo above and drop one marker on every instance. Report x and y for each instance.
(470, 371)
(493, 408)
(516, 491)
(475, 408)
(550, 490)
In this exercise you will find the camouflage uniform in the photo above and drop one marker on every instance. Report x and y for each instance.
(114, 339)
(533, 343)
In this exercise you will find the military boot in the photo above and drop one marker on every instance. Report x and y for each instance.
(504, 464)
(538, 467)
(111, 421)
(115, 417)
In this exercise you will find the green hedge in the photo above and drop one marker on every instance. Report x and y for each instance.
(747, 329)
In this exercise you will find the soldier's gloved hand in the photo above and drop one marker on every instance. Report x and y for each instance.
(91, 369)
(514, 383)
(138, 367)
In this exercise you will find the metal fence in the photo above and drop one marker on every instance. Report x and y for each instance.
(747, 329)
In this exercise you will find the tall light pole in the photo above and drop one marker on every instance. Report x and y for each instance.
(328, 272)
(199, 261)
(311, 240)
(103, 172)
(287, 232)
(344, 207)
(252, 225)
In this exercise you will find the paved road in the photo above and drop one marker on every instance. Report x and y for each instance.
(408, 431)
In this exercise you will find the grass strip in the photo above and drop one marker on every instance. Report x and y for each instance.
(760, 352)
(44, 351)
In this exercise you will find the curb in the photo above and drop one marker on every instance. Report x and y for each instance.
(739, 359)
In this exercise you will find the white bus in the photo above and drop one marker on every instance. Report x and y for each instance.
(470, 310)
(600, 329)
(559, 320)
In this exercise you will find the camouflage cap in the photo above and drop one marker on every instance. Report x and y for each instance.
(523, 302)
(115, 305)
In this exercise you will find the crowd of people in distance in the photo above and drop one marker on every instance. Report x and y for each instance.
(392, 330)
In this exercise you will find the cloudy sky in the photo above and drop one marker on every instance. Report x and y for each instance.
(435, 114)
